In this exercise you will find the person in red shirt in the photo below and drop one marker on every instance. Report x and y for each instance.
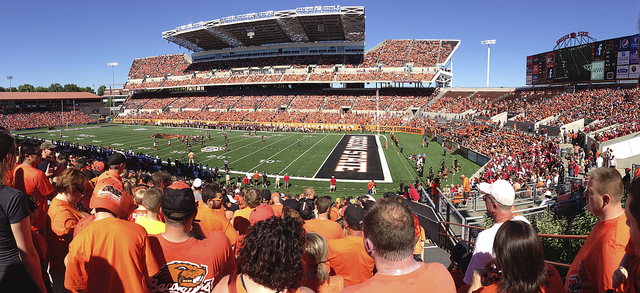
(186, 263)
(110, 254)
(347, 256)
(332, 187)
(34, 182)
(321, 224)
(286, 181)
(389, 237)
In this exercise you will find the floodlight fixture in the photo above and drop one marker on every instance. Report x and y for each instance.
(488, 43)
(10, 77)
(113, 74)
(251, 32)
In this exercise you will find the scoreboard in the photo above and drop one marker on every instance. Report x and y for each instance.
(608, 60)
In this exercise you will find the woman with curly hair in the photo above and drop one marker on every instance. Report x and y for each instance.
(271, 259)
(518, 265)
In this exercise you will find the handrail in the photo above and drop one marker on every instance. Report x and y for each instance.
(557, 264)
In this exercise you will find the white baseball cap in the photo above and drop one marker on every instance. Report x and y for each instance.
(501, 190)
(197, 183)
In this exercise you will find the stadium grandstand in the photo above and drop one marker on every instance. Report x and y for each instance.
(27, 110)
(306, 45)
(305, 72)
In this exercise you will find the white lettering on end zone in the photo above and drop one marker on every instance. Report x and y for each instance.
(354, 157)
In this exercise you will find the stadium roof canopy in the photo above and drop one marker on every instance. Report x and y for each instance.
(47, 96)
(300, 25)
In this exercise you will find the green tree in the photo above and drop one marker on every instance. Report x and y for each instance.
(70, 87)
(41, 89)
(101, 90)
(55, 87)
(1, 89)
(88, 90)
(26, 88)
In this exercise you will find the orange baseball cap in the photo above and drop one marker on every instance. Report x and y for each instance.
(114, 199)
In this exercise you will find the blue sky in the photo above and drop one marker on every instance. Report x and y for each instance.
(44, 42)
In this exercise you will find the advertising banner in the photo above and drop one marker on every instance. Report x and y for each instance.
(623, 72)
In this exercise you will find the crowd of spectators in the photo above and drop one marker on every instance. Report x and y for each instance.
(44, 119)
(272, 78)
(275, 102)
(322, 76)
(307, 102)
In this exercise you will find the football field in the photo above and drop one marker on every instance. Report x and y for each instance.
(309, 158)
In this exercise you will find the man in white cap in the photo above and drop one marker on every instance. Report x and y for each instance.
(197, 188)
(498, 198)
(548, 200)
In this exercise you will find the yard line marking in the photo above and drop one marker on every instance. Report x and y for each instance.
(256, 167)
(259, 149)
(285, 168)
(329, 154)
(403, 161)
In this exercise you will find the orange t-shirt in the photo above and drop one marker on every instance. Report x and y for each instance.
(599, 257)
(370, 185)
(33, 182)
(348, 259)
(110, 255)
(277, 209)
(430, 277)
(62, 219)
(241, 220)
(326, 228)
(466, 185)
(215, 220)
(192, 265)
(553, 283)
(334, 215)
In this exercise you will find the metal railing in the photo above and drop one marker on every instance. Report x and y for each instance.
(467, 239)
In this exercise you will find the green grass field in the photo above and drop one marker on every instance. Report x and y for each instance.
(279, 153)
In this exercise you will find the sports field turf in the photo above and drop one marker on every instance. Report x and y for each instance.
(278, 153)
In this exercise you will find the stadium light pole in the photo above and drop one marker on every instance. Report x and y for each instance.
(113, 74)
(10, 77)
(488, 43)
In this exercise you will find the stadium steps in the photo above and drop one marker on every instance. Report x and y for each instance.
(442, 93)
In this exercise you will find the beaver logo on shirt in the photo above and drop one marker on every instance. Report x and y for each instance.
(187, 274)
(180, 274)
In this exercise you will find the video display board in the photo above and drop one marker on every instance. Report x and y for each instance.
(608, 60)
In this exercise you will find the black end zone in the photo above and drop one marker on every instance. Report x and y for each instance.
(355, 157)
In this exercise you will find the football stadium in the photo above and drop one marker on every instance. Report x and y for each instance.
(288, 108)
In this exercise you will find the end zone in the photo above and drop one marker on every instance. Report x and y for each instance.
(356, 158)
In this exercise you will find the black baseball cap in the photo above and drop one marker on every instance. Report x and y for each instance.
(178, 202)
